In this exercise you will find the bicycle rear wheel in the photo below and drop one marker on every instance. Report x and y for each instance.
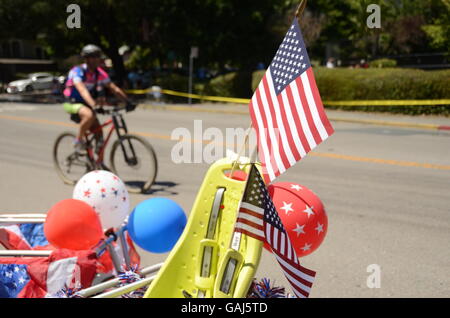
(69, 165)
(134, 161)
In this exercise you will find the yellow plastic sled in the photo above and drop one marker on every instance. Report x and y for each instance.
(196, 265)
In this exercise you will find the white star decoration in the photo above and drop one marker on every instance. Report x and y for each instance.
(319, 228)
(307, 247)
(309, 211)
(299, 230)
(287, 207)
(296, 187)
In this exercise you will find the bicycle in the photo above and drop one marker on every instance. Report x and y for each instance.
(126, 156)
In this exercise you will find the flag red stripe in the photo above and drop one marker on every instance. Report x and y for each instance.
(286, 123)
(261, 151)
(250, 223)
(289, 252)
(271, 109)
(304, 293)
(275, 238)
(273, 164)
(294, 279)
(301, 280)
(319, 104)
(301, 268)
(298, 123)
(308, 115)
(251, 234)
(251, 212)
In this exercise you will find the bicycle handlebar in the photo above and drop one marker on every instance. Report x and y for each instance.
(114, 109)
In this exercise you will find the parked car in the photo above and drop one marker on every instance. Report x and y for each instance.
(35, 81)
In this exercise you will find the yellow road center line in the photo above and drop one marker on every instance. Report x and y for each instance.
(316, 154)
(381, 161)
(38, 121)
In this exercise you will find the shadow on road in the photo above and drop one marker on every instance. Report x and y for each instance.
(162, 187)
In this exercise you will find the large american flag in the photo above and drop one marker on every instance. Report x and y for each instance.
(286, 109)
(258, 218)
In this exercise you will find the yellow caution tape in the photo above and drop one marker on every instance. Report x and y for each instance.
(433, 102)
(195, 96)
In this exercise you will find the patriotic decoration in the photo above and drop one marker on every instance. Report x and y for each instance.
(129, 276)
(286, 109)
(302, 213)
(31, 237)
(42, 277)
(264, 289)
(259, 219)
(23, 236)
(106, 194)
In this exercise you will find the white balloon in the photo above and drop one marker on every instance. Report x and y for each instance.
(106, 194)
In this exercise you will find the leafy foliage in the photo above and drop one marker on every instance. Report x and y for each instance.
(371, 84)
(234, 33)
(383, 63)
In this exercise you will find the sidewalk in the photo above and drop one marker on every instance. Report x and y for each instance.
(431, 122)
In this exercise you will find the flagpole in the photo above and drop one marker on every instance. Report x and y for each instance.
(229, 274)
(247, 135)
(301, 7)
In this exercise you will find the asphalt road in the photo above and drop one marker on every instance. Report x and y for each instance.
(385, 189)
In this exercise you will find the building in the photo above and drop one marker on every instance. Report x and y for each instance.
(22, 56)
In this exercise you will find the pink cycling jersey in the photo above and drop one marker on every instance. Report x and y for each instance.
(81, 73)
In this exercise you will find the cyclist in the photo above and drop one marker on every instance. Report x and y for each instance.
(85, 90)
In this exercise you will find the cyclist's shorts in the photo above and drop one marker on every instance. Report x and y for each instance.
(72, 108)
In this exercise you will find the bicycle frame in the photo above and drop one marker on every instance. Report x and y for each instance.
(117, 123)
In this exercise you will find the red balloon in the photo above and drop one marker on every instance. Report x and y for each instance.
(302, 214)
(72, 224)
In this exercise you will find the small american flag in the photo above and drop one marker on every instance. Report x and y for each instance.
(286, 109)
(258, 218)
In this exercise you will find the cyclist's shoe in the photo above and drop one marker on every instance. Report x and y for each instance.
(80, 148)
(102, 166)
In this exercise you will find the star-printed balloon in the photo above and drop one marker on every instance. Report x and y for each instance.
(106, 194)
(302, 214)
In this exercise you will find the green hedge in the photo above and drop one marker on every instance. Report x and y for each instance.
(235, 84)
(383, 63)
(340, 84)
(344, 84)
(177, 83)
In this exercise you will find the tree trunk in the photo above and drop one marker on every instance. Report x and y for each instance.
(118, 65)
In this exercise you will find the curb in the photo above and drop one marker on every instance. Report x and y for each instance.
(343, 120)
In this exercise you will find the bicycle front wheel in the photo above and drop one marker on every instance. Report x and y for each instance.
(134, 161)
(69, 165)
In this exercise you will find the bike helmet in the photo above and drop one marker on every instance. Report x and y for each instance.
(91, 50)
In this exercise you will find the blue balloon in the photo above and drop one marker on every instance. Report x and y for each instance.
(156, 224)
